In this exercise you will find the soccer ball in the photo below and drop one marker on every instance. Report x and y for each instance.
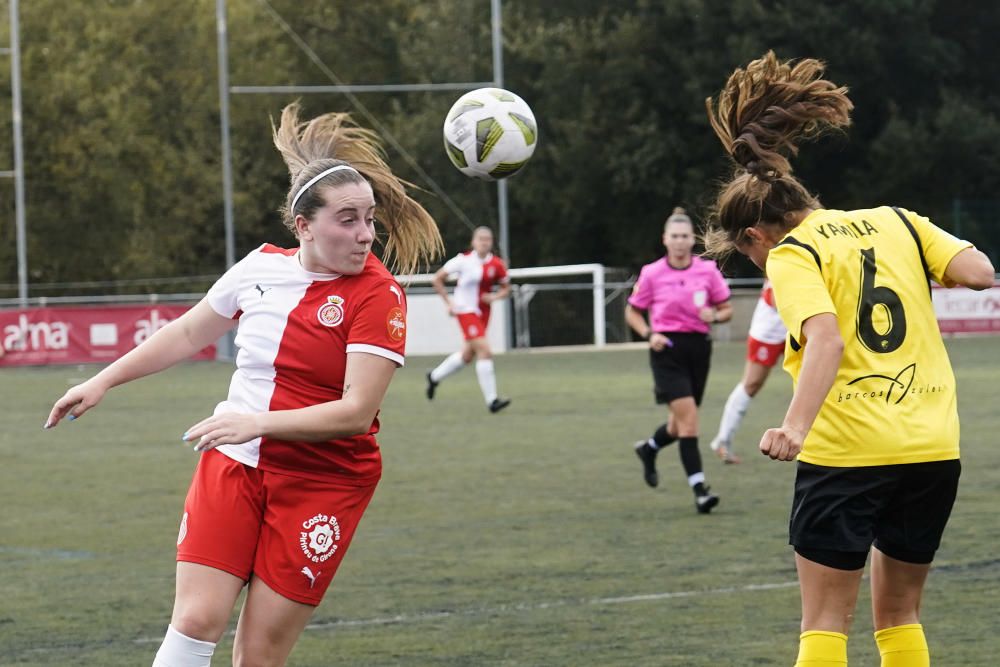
(490, 133)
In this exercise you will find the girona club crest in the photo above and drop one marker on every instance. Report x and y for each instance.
(319, 537)
(396, 324)
(331, 313)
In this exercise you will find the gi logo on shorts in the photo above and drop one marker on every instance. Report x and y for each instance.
(331, 313)
(319, 537)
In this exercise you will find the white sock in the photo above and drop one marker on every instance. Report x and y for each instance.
(178, 650)
(452, 364)
(695, 479)
(487, 379)
(732, 414)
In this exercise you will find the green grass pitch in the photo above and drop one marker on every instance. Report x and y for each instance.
(522, 538)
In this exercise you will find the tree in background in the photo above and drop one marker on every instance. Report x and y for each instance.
(121, 122)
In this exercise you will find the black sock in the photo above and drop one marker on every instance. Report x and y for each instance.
(661, 437)
(691, 459)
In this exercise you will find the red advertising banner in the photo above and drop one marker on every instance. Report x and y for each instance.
(85, 335)
(962, 310)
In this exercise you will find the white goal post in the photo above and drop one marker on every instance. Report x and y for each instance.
(433, 331)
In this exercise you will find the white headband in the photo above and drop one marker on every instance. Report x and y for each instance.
(312, 181)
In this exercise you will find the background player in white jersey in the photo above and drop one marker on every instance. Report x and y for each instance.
(476, 272)
(289, 459)
(765, 345)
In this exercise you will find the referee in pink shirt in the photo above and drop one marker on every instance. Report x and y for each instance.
(682, 295)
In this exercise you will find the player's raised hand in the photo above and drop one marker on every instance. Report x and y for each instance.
(226, 428)
(76, 401)
(782, 444)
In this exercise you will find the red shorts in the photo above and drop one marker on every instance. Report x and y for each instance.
(473, 326)
(291, 532)
(765, 354)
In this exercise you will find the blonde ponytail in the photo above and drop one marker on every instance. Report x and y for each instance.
(313, 146)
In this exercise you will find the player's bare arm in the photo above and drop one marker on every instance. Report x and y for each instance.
(971, 268)
(722, 312)
(823, 351)
(196, 329)
(367, 376)
(503, 291)
(437, 282)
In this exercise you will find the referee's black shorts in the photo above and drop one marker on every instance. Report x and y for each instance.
(681, 369)
(839, 513)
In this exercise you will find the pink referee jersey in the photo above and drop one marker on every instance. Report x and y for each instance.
(476, 276)
(673, 297)
(295, 331)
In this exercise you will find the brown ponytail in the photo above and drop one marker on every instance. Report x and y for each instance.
(761, 116)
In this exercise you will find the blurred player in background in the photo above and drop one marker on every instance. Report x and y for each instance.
(873, 418)
(477, 272)
(683, 295)
(289, 460)
(765, 345)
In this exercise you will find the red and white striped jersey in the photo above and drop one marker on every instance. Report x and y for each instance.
(766, 325)
(476, 276)
(295, 331)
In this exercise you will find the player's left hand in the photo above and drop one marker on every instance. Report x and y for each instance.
(227, 428)
(782, 444)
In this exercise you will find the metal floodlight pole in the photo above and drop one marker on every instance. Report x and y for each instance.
(361, 88)
(225, 91)
(502, 222)
(227, 343)
(15, 80)
(496, 20)
(227, 167)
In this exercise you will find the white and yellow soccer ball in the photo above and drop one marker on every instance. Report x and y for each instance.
(490, 133)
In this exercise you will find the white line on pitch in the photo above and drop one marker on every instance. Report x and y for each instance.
(525, 606)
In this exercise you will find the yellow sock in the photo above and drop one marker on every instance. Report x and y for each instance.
(818, 648)
(903, 646)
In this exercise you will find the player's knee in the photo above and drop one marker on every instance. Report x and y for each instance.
(262, 649)
(832, 619)
(686, 428)
(751, 387)
(199, 625)
(250, 657)
(896, 608)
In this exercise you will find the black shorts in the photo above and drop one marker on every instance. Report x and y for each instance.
(681, 369)
(901, 509)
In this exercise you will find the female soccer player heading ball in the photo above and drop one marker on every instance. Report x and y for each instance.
(289, 459)
(873, 418)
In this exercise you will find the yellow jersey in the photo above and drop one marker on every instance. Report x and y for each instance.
(893, 400)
